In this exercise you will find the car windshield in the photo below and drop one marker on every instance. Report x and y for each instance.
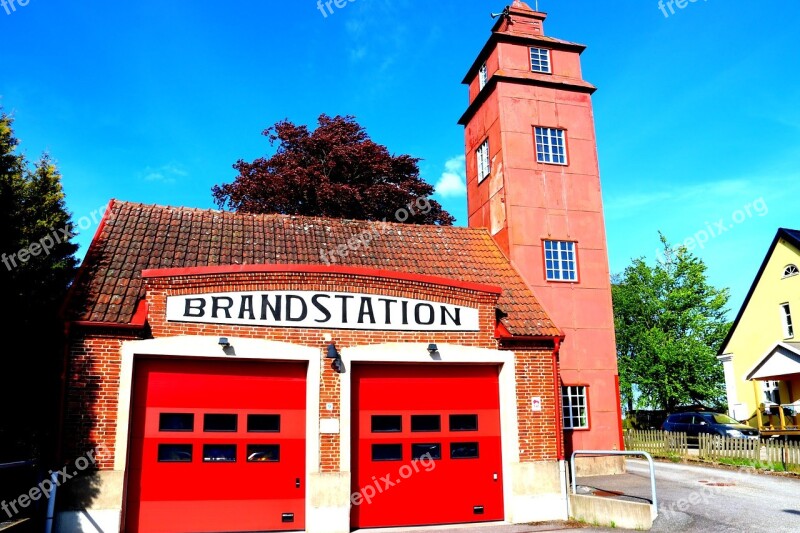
(723, 419)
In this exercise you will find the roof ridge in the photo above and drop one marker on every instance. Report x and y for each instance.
(122, 203)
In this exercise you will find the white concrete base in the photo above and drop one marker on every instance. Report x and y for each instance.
(609, 512)
(328, 508)
(87, 521)
(537, 493)
(538, 508)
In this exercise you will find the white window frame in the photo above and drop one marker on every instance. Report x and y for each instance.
(483, 76)
(551, 145)
(575, 406)
(790, 271)
(542, 56)
(482, 156)
(563, 269)
(786, 321)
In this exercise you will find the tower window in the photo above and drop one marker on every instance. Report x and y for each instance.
(483, 76)
(560, 262)
(540, 60)
(790, 271)
(482, 155)
(788, 328)
(573, 406)
(550, 146)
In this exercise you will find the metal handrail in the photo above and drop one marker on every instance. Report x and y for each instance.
(654, 506)
(17, 464)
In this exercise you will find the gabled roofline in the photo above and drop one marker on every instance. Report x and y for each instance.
(783, 233)
(792, 347)
(89, 252)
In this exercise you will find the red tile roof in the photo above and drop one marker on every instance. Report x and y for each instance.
(137, 237)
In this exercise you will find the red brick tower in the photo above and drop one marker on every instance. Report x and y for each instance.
(533, 180)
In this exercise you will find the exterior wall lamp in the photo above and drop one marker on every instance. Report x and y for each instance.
(336, 359)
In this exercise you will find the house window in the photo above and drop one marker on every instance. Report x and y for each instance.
(573, 406)
(483, 160)
(790, 271)
(550, 146)
(559, 261)
(483, 76)
(540, 60)
(788, 328)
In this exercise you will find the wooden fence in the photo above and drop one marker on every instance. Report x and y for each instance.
(771, 453)
(774, 454)
(657, 443)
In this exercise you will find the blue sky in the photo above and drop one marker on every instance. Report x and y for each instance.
(154, 101)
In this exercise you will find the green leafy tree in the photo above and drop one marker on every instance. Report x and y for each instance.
(670, 323)
(36, 267)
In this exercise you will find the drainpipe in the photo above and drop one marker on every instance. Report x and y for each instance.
(562, 465)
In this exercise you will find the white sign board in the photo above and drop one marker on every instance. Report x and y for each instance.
(536, 404)
(326, 310)
(329, 426)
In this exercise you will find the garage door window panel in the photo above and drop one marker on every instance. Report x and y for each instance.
(219, 453)
(387, 423)
(463, 422)
(214, 423)
(263, 423)
(426, 451)
(430, 423)
(176, 422)
(263, 453)
(387, 452)
(464, 450)
(174, 453)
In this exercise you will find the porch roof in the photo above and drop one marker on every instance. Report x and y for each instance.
(779, 362)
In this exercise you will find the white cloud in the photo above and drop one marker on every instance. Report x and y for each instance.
(453, 182)
(167, 174)
(690, 199)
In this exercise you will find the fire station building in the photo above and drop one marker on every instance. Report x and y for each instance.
(235, 376)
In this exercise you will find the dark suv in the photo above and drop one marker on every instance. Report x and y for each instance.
(694, 423)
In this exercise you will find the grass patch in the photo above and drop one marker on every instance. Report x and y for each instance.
(763, 465)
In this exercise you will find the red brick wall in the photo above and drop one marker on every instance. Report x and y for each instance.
(537, 430)
(93, 376)
(91, 391)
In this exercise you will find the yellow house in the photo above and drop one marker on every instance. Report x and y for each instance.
(761, 354)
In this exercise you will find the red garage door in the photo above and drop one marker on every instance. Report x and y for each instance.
(217, 446)
(426, 445)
